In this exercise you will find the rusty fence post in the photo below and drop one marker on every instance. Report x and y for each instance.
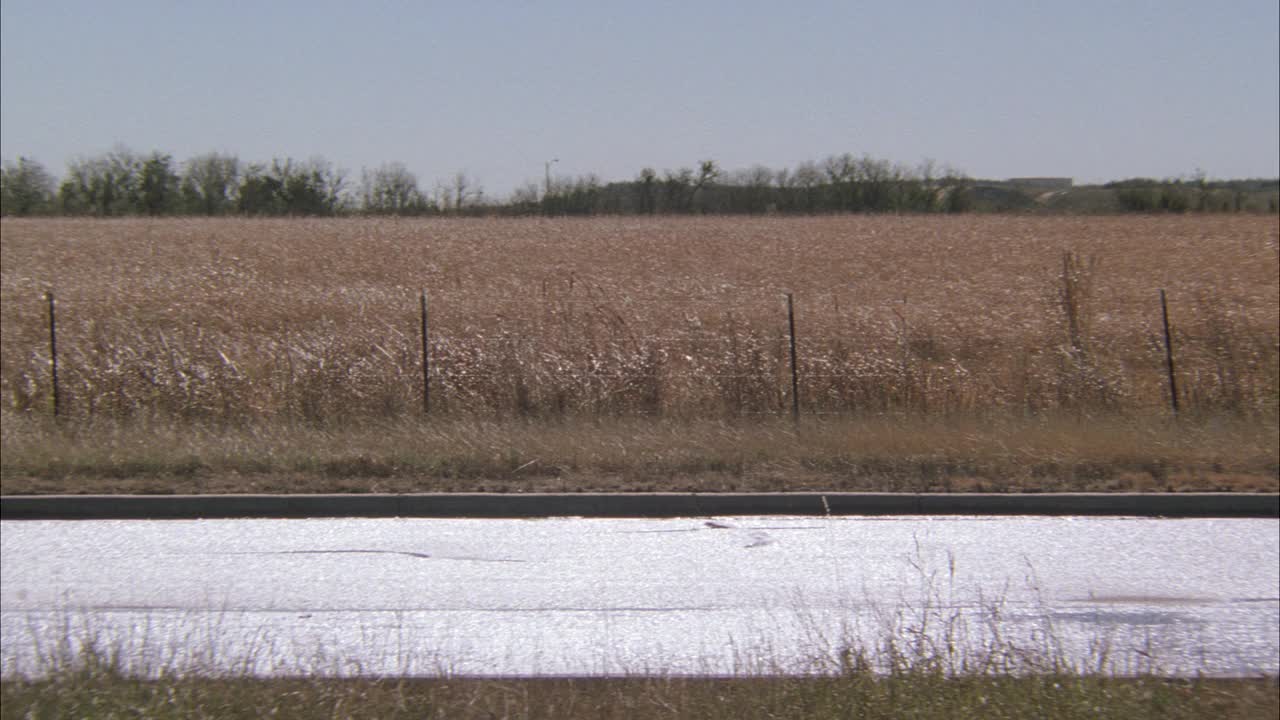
(795, 371)
(1168, 354)
(426, 359)
(53, 353)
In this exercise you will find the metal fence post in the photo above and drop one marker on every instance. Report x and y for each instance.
(53, 353)
(426, 360)
(795, 371)
(1168, 353)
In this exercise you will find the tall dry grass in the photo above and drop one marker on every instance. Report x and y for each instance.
(235, 320)
(928, 661)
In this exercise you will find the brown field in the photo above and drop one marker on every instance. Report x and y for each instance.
(967, 321)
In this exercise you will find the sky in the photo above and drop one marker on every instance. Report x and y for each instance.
(1085, 89)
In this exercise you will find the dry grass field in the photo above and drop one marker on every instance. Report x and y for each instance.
(252, 330)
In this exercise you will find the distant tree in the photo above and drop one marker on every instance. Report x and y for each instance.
(331, 181)
(1174, 197)
(104, 185)
(261, 192)
(158, 185)
(957, 197)
(209, 183)
(302, 193)
(677, 189)
(1200, 181)
(875, 180)
(808, 181)
(1137, 199)
(313, 187)
(920, 192)
(574, 196)
(26, 188)
(526, 199)
(463, 191)
(842, 179)
(81, 187)
(555, 192)
(708, 173)
(757, 185)
(124, 168)
(390, 189)
(289, 187)
(647, 191)
(784, 199)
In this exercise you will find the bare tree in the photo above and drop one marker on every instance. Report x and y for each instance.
(391, 189)
(526, 196)
(330, 182)
(26, 188)
(464, 190)
(708, 172)
(808, 175)
(209, 182)
(106, 184)
(757, 180)
(647, 189)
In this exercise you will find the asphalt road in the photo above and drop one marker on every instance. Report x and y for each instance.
(570, 596)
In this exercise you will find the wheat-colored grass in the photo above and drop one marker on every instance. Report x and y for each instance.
(911, 454)
(245, 319)
(311, 326)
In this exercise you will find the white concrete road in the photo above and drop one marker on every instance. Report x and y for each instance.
(569, 596)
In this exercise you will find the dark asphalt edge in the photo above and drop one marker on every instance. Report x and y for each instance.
(650, 505)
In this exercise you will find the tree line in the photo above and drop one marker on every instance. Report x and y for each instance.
(1194, 194)
(122, 182)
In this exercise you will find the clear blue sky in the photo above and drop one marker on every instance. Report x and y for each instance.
(1092, 90)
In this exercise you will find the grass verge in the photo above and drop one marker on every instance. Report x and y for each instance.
(102, 693)
(883, 454)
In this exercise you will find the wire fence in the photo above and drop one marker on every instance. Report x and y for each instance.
(752, 355)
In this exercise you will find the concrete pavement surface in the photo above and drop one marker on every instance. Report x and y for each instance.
(593, 596)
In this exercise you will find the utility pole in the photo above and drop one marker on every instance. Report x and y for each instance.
(547, 169)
